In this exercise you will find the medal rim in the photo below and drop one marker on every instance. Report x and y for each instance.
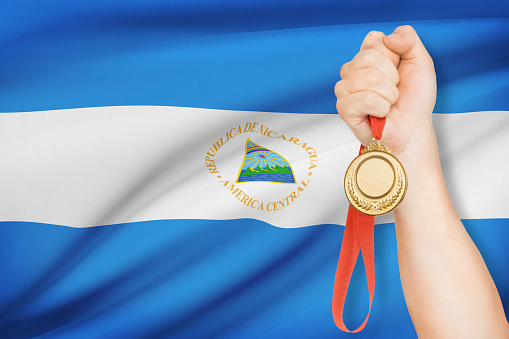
(385, 154)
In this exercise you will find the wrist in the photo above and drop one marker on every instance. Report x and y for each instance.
(421, 151)
(424, 174)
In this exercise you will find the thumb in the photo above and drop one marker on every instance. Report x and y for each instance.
(405, 42)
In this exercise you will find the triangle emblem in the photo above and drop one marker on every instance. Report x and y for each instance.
(261, 164)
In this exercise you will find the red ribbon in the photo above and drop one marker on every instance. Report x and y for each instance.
(358, 237)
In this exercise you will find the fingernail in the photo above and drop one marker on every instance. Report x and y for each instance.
(396, 35)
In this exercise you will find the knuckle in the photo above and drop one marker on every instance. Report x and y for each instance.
(372, 38)
(338, 89)
(371, 101)
(340, 107)
(370, 57)
(343, 71)
(372, 77)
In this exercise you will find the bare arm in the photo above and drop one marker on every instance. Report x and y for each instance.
(448, 289)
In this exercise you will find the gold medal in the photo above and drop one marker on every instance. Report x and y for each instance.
(375, 181)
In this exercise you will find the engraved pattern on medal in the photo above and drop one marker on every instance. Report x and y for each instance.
(375, 146)
(375, 206)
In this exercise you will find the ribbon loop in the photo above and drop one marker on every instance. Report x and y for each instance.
(358, 238)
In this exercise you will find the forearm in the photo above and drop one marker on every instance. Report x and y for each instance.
(447, 287)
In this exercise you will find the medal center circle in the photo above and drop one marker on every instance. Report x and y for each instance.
(375, 177)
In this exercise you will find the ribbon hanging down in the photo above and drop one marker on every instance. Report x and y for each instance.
(358, 237)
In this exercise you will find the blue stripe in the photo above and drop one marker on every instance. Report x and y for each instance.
(238, 279)
(262, 56)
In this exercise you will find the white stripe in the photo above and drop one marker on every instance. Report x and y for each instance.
(108, 165)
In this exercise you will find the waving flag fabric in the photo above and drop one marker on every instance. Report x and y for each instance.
(125, 127)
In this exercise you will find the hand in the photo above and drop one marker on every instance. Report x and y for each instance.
(394, 77)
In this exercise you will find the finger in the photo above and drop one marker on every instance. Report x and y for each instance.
(374, 80)
(355, 108)
(339, 89)
(371, 58)
(375, 40)
(405, 42)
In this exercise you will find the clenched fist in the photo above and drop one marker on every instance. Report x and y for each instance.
(391, 76)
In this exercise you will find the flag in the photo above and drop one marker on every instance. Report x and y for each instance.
(125, 127)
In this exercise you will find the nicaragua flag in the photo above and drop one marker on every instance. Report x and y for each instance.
(125, 129)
